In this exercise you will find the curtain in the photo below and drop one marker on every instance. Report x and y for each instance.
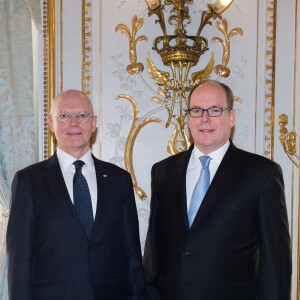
(17, 128)
(34, 8)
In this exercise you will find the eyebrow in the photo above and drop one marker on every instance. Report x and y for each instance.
(205, 108)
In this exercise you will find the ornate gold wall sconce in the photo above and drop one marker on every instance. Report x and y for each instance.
(180, 53)
(288, 140)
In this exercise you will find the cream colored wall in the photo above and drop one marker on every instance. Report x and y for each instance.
(287, 102)
(251, 67)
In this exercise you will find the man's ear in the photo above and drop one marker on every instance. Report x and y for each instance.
(94, 123)
(50, 123)
(232, 117)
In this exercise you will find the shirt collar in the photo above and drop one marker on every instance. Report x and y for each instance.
(66, 160)
(216, 155)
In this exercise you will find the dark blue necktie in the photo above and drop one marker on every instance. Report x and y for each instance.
(82, 199)
(200, 189)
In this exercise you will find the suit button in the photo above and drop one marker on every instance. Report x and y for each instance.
(186, 253)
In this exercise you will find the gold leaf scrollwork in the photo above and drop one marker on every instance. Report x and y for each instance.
(288, 140)
(222, 69)
(159, 100)
(136, 24)
(176, 143)
(197, 77)
(238, 99)
(161, 78)
(134, 131)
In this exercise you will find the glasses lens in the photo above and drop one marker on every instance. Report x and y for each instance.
(215, 111)
(82, 117)
(64, 117)
(196, 112)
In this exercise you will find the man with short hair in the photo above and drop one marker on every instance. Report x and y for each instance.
(218, 227)
(73, 228)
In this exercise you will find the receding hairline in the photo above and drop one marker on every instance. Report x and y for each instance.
(227, 90)
(67, 93)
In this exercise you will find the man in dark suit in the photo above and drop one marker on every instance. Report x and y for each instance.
(236, 245)
(73, 237)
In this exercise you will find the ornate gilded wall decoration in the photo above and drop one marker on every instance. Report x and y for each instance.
(134, 131)
(270, 78)
(135, 67)
(87, 47)
(288, 140)
(48, 71)
(179, 52)
(222, 69)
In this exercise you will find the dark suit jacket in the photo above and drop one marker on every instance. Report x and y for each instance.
(238, 246)
(49, 256)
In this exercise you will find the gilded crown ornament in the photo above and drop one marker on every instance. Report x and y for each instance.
(179, 52)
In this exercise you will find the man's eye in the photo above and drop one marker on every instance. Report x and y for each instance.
(215, 109)
(82, 115)
(63, 116)
(197, 110)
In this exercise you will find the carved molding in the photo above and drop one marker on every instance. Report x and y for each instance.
(49, 71)
(270, 78)
(87, 47)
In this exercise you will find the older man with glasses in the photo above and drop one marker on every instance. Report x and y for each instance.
(218, 227)
(73, 229)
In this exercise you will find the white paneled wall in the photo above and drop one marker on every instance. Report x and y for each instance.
(249, 57)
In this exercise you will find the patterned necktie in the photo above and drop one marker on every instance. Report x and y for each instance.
(82, 199)
(200, 189)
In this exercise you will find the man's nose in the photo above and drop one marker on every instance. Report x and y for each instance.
(205, 117)
(74, 120)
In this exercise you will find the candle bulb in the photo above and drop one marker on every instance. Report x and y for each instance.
(220, 6)
(153, 4)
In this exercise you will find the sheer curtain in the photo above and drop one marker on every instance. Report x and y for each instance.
(17, 128)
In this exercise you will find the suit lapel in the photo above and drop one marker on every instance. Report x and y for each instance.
(222, 180)
(179, 180)
(56, 183)
(103, 185)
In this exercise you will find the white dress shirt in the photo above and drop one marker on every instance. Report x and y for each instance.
(88, 170)
(195, 166)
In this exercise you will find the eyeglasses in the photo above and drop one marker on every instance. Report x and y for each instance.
(65, 117)
(198, 112)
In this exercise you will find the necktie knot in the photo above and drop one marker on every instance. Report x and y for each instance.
(205, 160)
(78, 164)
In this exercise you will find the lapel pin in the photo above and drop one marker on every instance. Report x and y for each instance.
(104, 175)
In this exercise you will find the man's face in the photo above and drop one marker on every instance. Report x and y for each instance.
(73, 137)
(210, 133)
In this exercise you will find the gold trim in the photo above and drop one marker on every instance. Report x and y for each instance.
(296, 65)
(134, 131)
(87, 47)
(49, 70)
(270, 78)
(45, 78)
(288, 139)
